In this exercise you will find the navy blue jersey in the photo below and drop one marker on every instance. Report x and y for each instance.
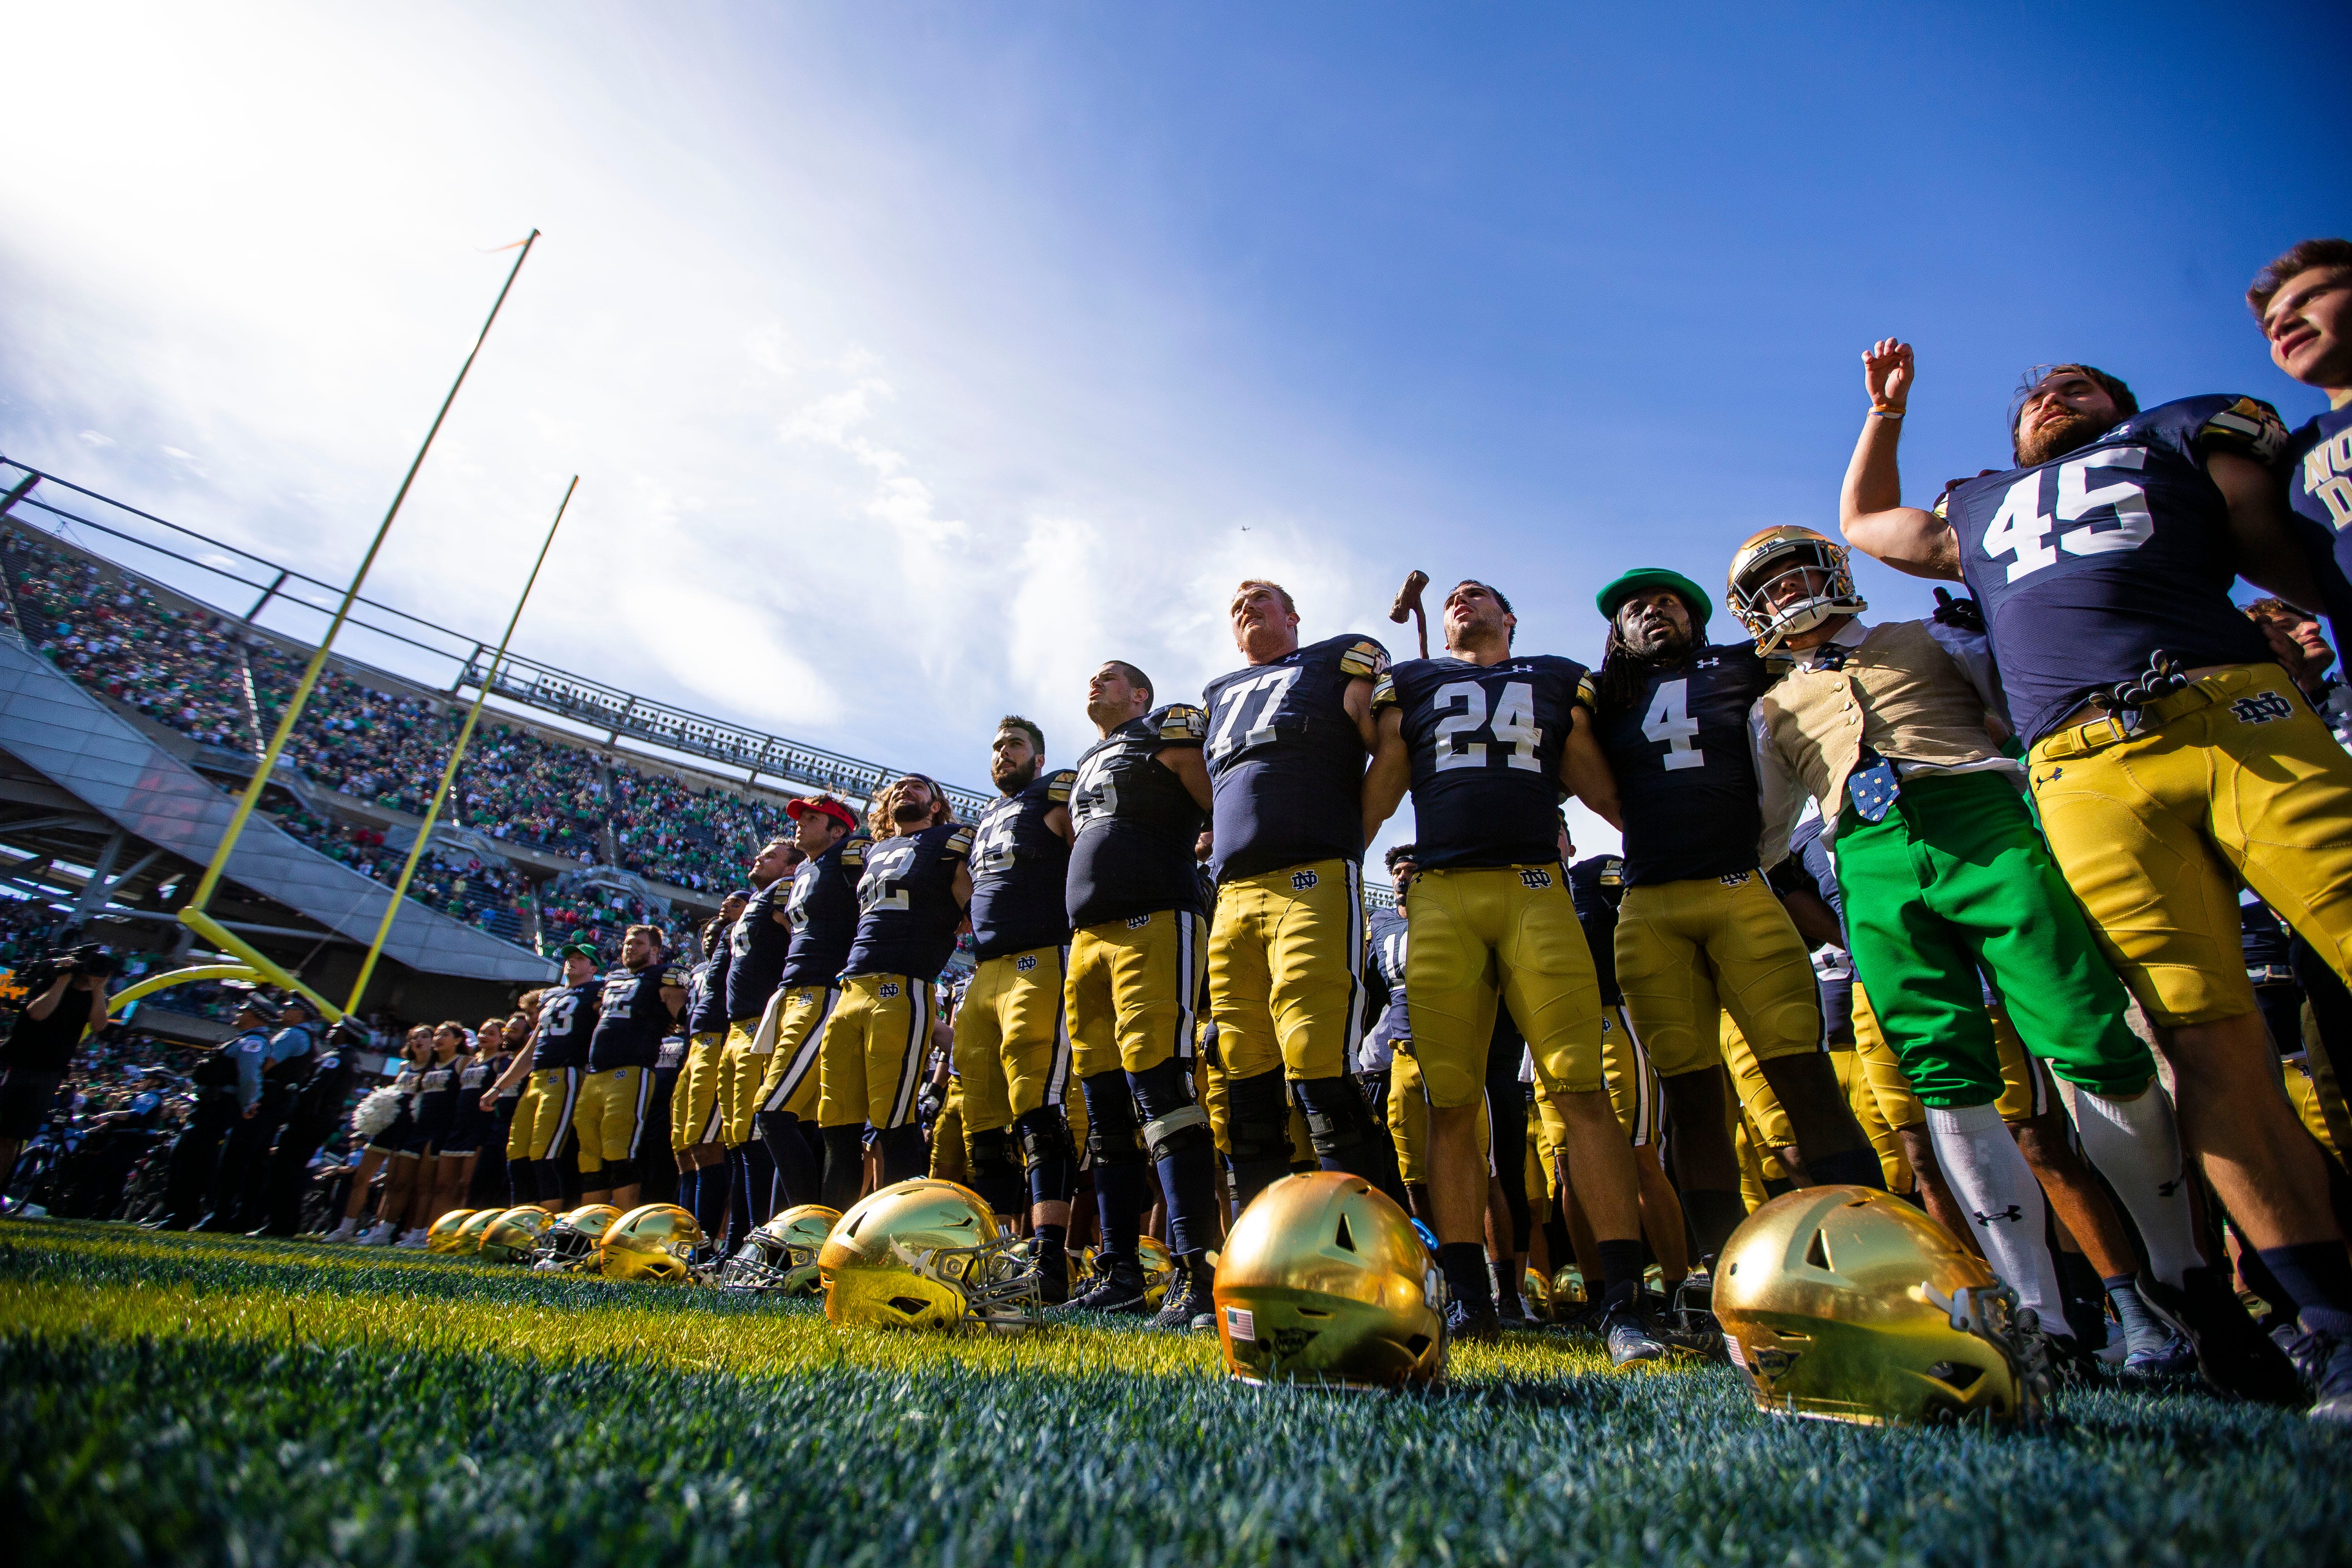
(2265, 942)
(1598, 886)
(2317, 466)
(567, 1017)
(435, 1107)
(823, 907)
(1286, 760)
(1385, 930)
(1807, 851)
(475, 1074)
(630, 1016)
(1485, 743)
(2088, 564)
(1136, 822)
(757, 948)
(706, 990)
(1021, 870)
(906, 908)
(1686, 777)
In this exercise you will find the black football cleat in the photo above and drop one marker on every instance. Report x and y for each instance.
(1189, 1306)
(1475, 1325)
(2234, 1356)
(1119, 1288)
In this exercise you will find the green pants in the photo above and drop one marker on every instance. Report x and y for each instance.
(1955, 878)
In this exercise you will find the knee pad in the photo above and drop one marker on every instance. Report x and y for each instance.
(1184, 1128)
(619, 1173)
(1257, 1119)
(1337, 1118)
(1045, 1137)
(1111, 1131)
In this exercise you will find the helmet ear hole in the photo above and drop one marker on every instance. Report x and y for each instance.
(1345, 1237)
(908, 1305)
(1818, 1254)
(1957, 1375)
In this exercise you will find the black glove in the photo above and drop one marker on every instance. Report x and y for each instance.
(1962, 614)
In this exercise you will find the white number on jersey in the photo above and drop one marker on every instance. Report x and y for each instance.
(1514, 727)
(1094, 794)
(883, 886)
(555, 1016)
(2022, 527)
(1275, 684)
(1515, 724)
(1669, 724)
(1392, 952)
(992, 850)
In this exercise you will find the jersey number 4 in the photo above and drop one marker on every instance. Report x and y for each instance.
(1514, 725)
(1668, 723)
(2022, 527)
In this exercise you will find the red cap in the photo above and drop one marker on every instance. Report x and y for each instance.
(801, 805)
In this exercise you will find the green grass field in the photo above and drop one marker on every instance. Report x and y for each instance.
(198, 1400)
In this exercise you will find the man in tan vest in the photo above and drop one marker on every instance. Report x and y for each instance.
(1945, 874)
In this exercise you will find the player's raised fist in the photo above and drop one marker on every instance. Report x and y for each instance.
(1887, 374)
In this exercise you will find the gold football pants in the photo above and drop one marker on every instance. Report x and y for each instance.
(1012, 1037)
(543, 1116)
(870, 1058)
(1634, 1091)
(612, 1115)
(2233, 779)
(694, 1098)
(1287, 971)
(741, 1067)
(1492, 935)
(950, 1161)
(1686, 949)
(1132, 992)
(797, 1015)
(1408, 1116)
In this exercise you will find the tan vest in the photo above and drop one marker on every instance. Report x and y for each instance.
(1900, 694)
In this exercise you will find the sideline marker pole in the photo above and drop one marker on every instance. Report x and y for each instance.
(457, 754)
(269, 762)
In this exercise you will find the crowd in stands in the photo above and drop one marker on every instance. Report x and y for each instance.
(691, 839)
(594, 913)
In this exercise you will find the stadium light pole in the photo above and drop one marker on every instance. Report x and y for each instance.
(457, 754)
(246, 802)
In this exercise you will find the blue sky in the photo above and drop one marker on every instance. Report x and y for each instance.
(917, 358)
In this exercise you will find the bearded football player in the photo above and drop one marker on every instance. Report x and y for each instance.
(1012, 1050)
(1135, 967)
(822, 907)
(757, 944)
(911, 895)
(640, 1003)
(1288, 736)
(1488, 741)
(1698, 930)
(548, 1069)
(2170, 756)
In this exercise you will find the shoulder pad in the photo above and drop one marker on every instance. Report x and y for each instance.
(1180, 722)
(853, 854)
(1942, 503)
(1363, 658)
(1058, 787)
(2248, 427)
(673, 975)
(958, 844)
(1384, 693)
(1587, 693)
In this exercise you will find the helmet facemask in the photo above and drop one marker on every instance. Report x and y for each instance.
(1001, 1290)
(1796, 553)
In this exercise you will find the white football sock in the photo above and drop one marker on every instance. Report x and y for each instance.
(2137, 1148)
(1997, 1191)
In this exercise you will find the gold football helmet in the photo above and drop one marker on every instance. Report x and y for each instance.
(654, 1243)
(1783, 553)
(1567, 1287)
(781, 1254)
(1324, 1279)
(468, 1240)
(1847, 1304)
(512, 1233)
(1536, 1295)
(1158, 1268)
(924, 1254)
(569, 1245)
(446, 1232)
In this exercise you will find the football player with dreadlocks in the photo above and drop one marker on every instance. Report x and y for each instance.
(916, 882)
(2170, 756)
(1698, 931)
(1488, 741)
(1134, 907)
(1288, 736)
(1012, 1050)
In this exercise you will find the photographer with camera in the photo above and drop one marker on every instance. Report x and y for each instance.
(228, 1092)
(67, 997)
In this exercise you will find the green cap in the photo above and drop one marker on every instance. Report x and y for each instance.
(586, 949)
(1643, 577)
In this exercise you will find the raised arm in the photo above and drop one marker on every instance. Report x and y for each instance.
(1870, 511)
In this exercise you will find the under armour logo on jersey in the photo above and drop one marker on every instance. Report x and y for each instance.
(2011, 1212)
(1707, 663)
(2261, 708)
(1025, 962)
(1533, 877)
(1137, 922)
(886, 991)
(1302, 881)
(1735, 879)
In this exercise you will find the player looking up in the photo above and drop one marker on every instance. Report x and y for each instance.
(1487, 740)
(1012, 1051)
(2170, 757)
(911, 892)
(756, 947)
(2304, 300)
(641, 1000)
(695, 1125)
(823, 905)
(1698, 931)
(1288, 735)
(1134, 906)
(550, 1069)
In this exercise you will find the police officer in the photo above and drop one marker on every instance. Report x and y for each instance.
(228, 1089)
(316, 1110)
(240, 1192)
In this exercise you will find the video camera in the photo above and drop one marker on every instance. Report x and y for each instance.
(89, 958)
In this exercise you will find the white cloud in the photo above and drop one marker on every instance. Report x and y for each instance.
(95, 439)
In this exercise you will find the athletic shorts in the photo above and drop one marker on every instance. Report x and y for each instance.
(870, 1058)
(1685, 950)
(2233, 779)
(1491, 936)
(1287, 971)
(799, 1015)
(551, 1097)
(694, 1103)
(1013, 1037)
(28, 1095)
(1132, 991)
(612, 1115)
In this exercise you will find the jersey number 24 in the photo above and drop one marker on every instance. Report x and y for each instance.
(1513, 727)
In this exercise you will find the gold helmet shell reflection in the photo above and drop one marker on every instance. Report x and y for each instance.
(469, 1239)
(448, 1231)
(924, 1254)
(512, 1233)
(654, 1242)
(1323, 1278)
(1845, 1304)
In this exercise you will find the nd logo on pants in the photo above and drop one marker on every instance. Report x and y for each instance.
(871, 1059)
